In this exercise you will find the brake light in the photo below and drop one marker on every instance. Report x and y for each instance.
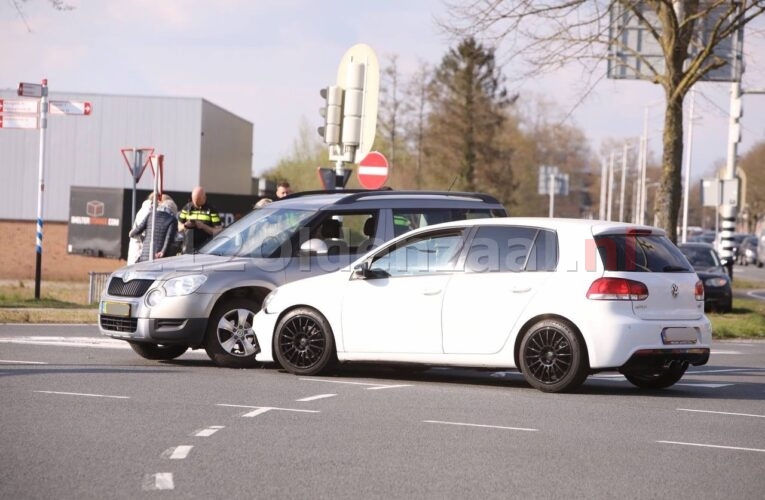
(699, 290)
(639, 232)
(617, 289)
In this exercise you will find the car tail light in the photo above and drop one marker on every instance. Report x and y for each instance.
(699, 290)
(617, 289)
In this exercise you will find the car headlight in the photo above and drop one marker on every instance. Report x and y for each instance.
(715, 282)
(268, 299)
(184, 285)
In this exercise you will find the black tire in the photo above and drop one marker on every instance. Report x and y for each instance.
(158, 351)
(230, 340)
(553, 357)
(659, 379)
(303, 342)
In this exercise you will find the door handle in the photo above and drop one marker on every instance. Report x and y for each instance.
(521, 289)
(431, 291)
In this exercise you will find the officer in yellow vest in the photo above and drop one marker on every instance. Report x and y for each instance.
(198, 221)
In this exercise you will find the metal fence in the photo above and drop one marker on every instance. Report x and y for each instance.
(97, 283)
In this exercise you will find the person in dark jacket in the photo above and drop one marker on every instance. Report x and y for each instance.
(164, 232)
(198, 220)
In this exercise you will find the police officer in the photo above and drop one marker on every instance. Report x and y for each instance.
(198, 221)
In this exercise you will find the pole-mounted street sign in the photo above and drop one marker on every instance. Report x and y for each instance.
(32, 89)
(26, 106)
(18, 121)
(70, 108)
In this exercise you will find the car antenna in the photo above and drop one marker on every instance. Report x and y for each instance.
(452, 184)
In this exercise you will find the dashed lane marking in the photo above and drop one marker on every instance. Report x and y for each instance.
(371, 387)
(179, 452)
(84, 394)
(314, 398)
(16, 362)
(480, 425)
(209, 431)
(158, 481)
(702, 445)
(723, 413)
(259, 410)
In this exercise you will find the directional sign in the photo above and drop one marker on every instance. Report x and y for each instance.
(70, 108)
(18, 106)
(30, 89)
(18, 121)
(373, 170)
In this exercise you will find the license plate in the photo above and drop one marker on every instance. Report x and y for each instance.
(115, 308)
(680, 335)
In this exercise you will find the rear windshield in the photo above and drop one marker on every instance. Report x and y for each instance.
(641, 253)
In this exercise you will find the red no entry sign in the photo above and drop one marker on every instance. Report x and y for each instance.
(373, 170)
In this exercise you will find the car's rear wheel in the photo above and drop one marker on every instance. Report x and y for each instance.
(303, 343)
(553, 357)
(158, 351)
(659, 379)
(230, 340)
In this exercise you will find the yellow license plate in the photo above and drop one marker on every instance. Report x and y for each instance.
(115, 308)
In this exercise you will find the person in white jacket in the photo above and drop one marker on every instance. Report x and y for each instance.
(135, 245)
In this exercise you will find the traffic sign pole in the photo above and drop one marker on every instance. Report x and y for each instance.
(41, 177)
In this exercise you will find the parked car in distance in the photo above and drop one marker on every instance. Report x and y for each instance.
(208, 299)
(558, 299)
(761, 249)
(748, 251)
(718, 293)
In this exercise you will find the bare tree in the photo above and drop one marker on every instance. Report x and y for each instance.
(389, 118)
(550, 35)
(56, 4)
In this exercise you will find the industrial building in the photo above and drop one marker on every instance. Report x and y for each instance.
(202, 144)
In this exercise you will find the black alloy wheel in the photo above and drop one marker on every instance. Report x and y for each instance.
(553, 357)
(304, 344)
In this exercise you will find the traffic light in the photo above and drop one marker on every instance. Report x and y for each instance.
(332, 113)
(353, 105)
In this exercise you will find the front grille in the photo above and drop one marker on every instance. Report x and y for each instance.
(118, 323)
(132, 288)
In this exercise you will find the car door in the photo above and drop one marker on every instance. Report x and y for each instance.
(505, 266)
(396, 307)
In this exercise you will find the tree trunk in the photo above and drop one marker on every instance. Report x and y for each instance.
(666, 206)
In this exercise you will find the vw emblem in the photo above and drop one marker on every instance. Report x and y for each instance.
(675, 290)
(128, 276)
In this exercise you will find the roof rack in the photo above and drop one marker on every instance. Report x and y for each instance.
(357, 194)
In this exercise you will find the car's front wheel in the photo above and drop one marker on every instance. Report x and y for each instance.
(303, 342)
(158, 351)
(659, 379)
(553, 357)
(230, 340)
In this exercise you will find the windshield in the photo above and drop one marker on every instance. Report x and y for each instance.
(701, 259)
(258, 234)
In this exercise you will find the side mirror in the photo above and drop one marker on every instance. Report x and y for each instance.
(313, 246)
(361, 271)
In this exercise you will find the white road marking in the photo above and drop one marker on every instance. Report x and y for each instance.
(382, 387)
(375, 386)
(101, 343)
(209, 431)
(314, 398)
(713, 446)
(158, 481)
(480, 425)
(620, 378)
(84, 394)
(259, 410)
(725, 370)
(717, 353)
(13, 361)
(179, 452)
(723, 413)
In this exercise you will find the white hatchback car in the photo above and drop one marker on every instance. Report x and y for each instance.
(558, 299)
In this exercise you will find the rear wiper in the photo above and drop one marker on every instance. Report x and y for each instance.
(675, 269)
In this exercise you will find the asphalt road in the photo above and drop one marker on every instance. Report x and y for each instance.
(84, 417)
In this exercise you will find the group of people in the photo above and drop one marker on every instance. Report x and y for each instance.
(198, 221)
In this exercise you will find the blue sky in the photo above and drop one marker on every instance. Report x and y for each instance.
(265, 60)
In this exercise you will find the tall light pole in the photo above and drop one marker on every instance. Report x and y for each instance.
(688, 159)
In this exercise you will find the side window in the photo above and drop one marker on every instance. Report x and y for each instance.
(344, 233)
(503, 249)
(544, 253)
(405, 220)
(424, 254)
